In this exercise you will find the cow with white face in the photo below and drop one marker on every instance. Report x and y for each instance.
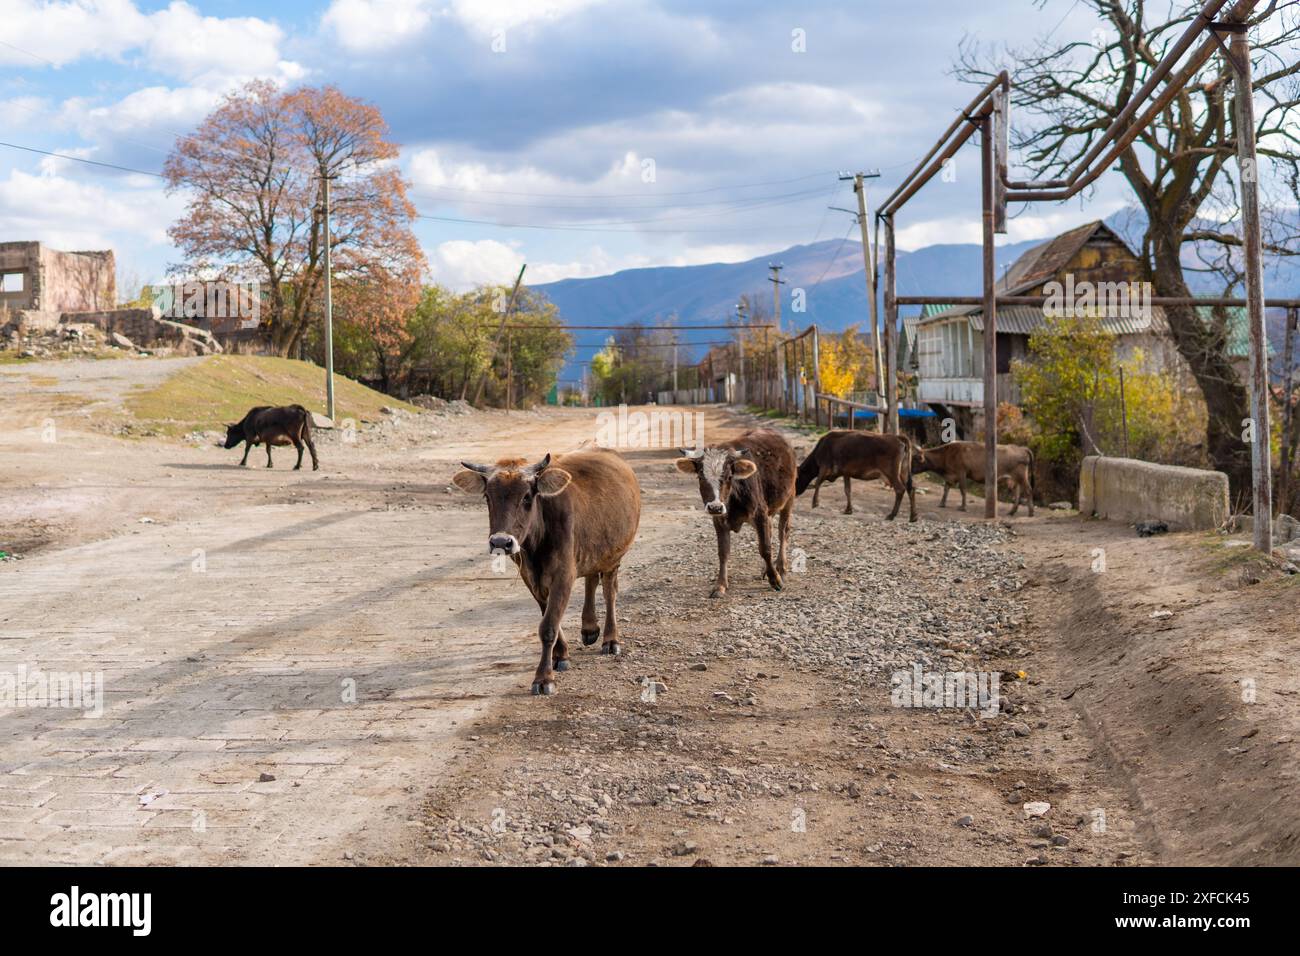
(560, 519)
(746, 481)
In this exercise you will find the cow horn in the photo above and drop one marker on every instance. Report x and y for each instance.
(538, 467)
(693, 452)
(481, 469)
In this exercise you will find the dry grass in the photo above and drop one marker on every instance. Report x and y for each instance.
(220, 389)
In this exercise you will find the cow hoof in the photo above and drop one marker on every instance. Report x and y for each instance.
(543, 688)
(718, 592)
(590, 637)
(890, 517)
(848, 511)
(297, 467)
(315, 467)
(612, 648)
(912, 520)
(562, 665)
(776, 584)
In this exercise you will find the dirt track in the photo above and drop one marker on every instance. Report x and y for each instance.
(236, 627)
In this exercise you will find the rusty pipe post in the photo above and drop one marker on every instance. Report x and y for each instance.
(891, 319)
(1243, 121)
(987, 172)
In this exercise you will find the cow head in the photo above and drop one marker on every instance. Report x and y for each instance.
(234, 435)
(716, 469)
(920, 460)
(511, 489)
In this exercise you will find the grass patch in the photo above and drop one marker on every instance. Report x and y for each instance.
(222, 388)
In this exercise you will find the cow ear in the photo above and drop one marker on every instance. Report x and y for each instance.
(552, 481)
(470, 482)
(743, 468)
(686, 465)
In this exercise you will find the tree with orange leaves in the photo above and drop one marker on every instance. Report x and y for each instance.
(254, 171)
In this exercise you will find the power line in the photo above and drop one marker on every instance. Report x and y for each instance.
(684, 192)
(80, 159)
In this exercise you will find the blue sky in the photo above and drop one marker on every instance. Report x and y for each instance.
(743, 132)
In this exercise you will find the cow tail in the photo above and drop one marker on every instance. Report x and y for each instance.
(906, 463)
(1033, 482)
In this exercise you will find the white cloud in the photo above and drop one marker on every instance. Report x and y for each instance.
(61, 33)
(369, 26)
(462, 264)
(177, 40)
(487, 15)
(372, 25)
(71, 214)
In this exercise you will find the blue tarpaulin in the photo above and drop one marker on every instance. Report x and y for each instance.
(866, 413)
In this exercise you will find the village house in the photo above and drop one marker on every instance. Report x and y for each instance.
(944, 346)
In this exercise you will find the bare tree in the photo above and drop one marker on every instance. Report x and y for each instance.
(1178, 169)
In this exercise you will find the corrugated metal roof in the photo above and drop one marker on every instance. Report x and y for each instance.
(1025, 319)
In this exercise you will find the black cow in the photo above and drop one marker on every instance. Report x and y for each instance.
(267, 425)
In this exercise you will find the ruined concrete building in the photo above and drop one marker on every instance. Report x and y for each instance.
(51, 300)
(35, 277)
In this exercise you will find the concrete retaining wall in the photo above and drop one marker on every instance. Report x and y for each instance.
(1125, 489)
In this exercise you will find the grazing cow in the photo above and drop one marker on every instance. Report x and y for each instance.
(561, 519)
(747, 481)
(853, 454)
(958, 462)
(282, 425)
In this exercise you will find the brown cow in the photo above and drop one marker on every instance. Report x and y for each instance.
(280, 425)
(853, 454)
(746, 480)
(958, 462)
(561, 519)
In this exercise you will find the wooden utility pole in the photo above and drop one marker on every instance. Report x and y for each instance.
(1243, 123)
(869, 267)
(1288, 413)
(501, 331)
(777, 282)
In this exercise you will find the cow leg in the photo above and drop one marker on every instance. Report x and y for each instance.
(784, 537)
(311, 447)
(1019, 490)
(911, 499)
(610, 643)
(961, 481)
(248, 446)
(763, 525)
(848, 496)
(268, 454)
(550, 634)
(817, 490)
(590, 624)
(1029, 496)
(724, 552)
(297, 443)
(898, 499)
(947, 486)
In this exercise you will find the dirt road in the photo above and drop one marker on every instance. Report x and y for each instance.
(324, 667)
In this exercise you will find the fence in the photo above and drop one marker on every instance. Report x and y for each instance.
(784, 377)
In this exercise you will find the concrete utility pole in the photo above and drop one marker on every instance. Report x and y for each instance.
(869, 267)
(987, 173)
(329, 308)
(1243, 127)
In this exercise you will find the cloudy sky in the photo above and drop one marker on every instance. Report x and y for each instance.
(654, 132)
